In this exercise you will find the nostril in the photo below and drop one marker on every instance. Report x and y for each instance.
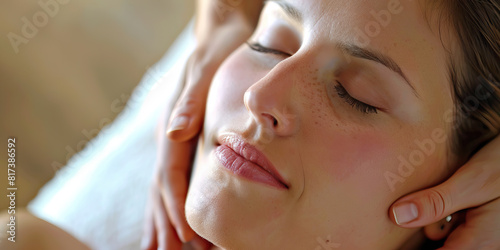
(271, 119)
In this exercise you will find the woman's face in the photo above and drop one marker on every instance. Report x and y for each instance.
(345, 100)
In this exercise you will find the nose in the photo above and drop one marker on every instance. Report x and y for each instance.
(270, 102)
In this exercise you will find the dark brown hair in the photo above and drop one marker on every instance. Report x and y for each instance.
(474, 72)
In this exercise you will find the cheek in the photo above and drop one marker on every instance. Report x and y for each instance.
(339, 146)
(349, 156)
(346, 173)
(323, 109)
(343, 143)
(314, 100)
(344, 177)
(235, 75)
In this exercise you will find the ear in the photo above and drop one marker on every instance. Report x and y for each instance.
(440, 229)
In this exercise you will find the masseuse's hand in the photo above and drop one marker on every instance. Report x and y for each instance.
(475, 187)
(166, 226)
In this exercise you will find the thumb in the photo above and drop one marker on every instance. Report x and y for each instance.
(470, 186)
(423, 208)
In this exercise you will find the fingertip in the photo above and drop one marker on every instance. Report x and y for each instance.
(185, 234)
(404, 213)
(148, 238)
(179, 123)
(184, 134)
(179, 223)
(200, 243)
(146, 243)
(180, 135)
(187, 118)
(421, 208)
(183, 229)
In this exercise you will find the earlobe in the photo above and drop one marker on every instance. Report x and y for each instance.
(441, 229)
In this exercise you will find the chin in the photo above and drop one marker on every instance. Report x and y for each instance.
(207, 207)
(231, 212)
(215, 223)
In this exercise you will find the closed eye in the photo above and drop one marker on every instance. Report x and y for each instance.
(259, 48)
(341, 91)
(355, 103)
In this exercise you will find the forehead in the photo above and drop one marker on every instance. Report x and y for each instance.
(398, 28)
(361, 22)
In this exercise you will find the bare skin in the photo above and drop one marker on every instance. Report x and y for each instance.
(462, 188)
(489, 199)
(35, 233)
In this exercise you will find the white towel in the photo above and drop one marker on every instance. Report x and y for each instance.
(100, 195)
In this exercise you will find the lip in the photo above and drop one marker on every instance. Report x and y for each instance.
(247, 161)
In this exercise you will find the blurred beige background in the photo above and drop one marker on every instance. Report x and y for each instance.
(76, 65)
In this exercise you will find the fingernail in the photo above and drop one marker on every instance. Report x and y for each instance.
(179, 123)
(405, 212)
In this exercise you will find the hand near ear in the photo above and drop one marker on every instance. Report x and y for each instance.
(474, 187)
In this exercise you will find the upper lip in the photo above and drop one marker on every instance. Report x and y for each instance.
(251, 153)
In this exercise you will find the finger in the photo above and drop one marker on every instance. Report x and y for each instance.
(173, 184)
(166, 234)
(472, 185)
(200, 243)
(148, 240)
(480, 231)
(188, 113)
(475, 183)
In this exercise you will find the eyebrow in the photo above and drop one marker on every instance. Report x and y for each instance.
(289, 9)
(351, 49)
(368, 54)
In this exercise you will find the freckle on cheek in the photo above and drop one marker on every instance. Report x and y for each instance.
(315, 99)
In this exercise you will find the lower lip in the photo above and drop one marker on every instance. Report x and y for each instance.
(235, 163)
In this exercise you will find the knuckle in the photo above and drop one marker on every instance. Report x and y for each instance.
(187, 102)
(202, 61)
(201, 73)
(206, 68)
(159, 178)
(190, 101)
(161, 233)
(171, 171)
(156, 181)
(438, 203)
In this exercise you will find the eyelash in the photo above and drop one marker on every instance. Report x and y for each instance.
(358, 105)
(341, 91)
(259, 48)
